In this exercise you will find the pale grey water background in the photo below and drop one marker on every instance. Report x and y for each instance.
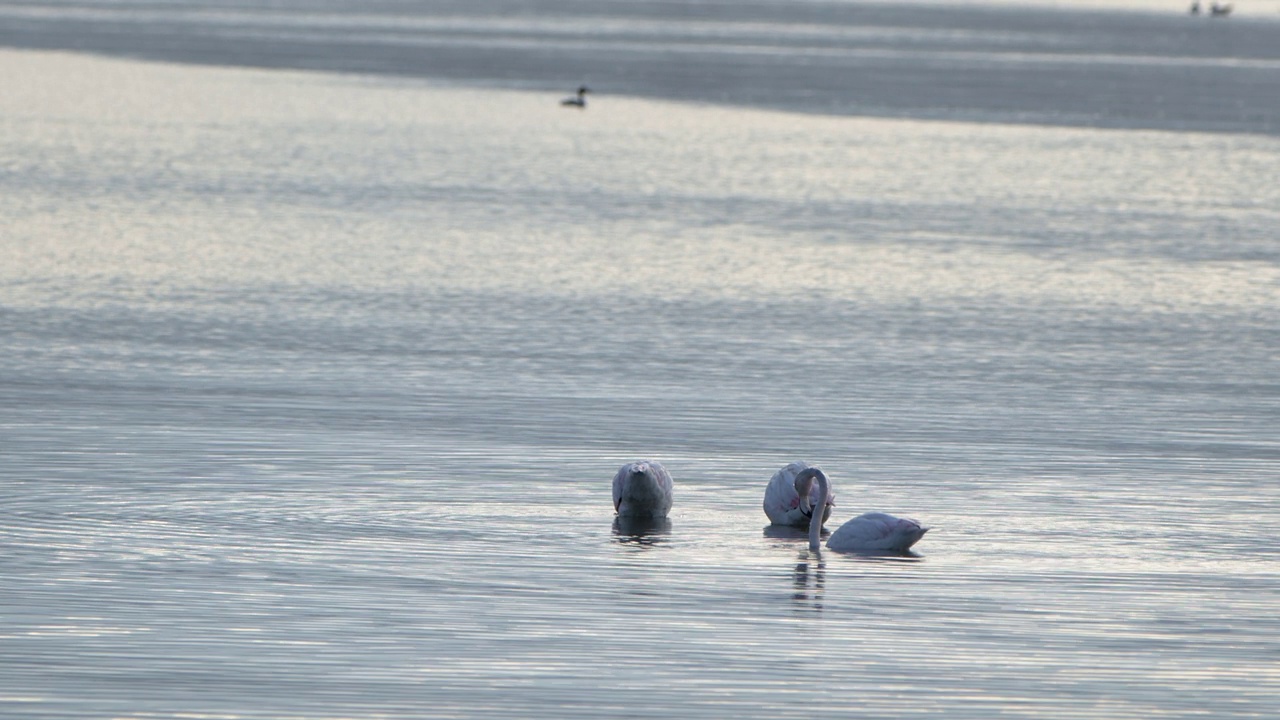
(313, 386)
(1142, 64)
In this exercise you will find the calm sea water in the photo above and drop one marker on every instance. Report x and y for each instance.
(1140, 64)
(313, 386)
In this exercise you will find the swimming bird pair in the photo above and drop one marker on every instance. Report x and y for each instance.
(798, 495)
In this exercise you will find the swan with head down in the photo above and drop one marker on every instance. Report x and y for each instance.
(642, 489)
(870, 532)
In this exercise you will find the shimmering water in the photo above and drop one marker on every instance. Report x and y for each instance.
(313, 386)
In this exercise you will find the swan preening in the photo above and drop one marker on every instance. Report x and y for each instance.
(782, 502)
(579, 100)
(642, 489)
(869, 532)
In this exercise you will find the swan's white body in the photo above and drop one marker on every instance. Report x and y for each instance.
(579, 100)
(876, 532)
(782, 501)
(870, 532)
(642, 489)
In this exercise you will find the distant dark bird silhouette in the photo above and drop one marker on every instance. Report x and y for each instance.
(1220, 10)
(579, 100)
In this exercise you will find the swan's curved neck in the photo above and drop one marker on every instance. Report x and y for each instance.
(820, 509)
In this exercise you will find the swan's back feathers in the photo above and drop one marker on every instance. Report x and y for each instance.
(876, 532)
(642, 489)
(782, 502)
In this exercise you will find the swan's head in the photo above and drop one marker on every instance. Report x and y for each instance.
(804, 488)
(804, 483)
(583, 90)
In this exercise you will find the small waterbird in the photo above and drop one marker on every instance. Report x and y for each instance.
(579, 100)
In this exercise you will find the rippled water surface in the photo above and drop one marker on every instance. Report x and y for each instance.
(1104, 63)
(313, 387)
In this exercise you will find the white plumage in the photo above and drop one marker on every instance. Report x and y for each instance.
(783, 504)
(642, 489)
(870, 532)
(874, 531)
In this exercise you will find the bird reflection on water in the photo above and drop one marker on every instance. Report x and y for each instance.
(805, 595)
(786, 532)
(641, 531)
(809, 576)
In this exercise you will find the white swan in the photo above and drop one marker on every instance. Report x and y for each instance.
(872, 532)
(642, 489)
(782, 501)
(579, 100)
